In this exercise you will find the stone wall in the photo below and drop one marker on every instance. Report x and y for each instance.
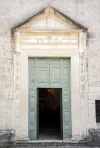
(12, 12)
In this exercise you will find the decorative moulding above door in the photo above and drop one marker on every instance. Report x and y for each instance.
(49, 19)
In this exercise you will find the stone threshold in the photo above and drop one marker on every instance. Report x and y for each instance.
(46, 143)
(49, 141)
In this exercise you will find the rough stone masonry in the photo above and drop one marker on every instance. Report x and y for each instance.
(12, 12)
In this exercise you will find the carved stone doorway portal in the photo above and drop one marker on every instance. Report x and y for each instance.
(49, 34)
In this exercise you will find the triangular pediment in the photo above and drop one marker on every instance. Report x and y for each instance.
(49, 19)
(48, 22)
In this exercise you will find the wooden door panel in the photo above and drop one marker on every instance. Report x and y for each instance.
(49, 73)
(42, 72)
(32, 100)
(66, 100)
(55, 73)
(32, 85)
(38, 78)
(60, 78)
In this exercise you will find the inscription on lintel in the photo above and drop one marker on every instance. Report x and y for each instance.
(49, 39)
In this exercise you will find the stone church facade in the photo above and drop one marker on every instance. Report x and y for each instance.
(49, 29)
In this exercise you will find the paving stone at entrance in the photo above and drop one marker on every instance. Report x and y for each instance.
(57, 147)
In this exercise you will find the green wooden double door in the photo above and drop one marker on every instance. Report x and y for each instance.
(49, 73)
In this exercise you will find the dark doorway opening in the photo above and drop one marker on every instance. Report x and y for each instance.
(49, 114)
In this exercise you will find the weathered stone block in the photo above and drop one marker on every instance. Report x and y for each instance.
(92, 35)
(92, 64)
(93, 74)
(71, 13)
(92, 113)
(93, 53)
(94, 137)
(71, 1)
(94, 83)
(5, 136)
(32, 1)
(77, 138)
(94, 96)
(86, 1)
(94, 89)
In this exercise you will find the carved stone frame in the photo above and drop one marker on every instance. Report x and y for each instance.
(77, 84)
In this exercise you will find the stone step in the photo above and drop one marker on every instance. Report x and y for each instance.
(46, 143)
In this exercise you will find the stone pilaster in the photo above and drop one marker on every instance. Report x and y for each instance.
(81, 45)
(16, 101)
